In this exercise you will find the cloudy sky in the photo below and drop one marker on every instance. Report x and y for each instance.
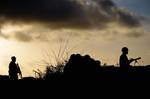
(38, 31)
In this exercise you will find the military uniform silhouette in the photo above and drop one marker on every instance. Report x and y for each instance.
(124, 61)
(14, 69)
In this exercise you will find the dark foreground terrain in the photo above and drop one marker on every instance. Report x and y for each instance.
(105, 73)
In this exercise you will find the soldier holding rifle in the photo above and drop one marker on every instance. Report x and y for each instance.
(124, 61)
(14, 69)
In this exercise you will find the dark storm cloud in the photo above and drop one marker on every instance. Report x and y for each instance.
(106, 4)
(115, 13)
(37, 9)
(128, 20)
(56, 13)
(70, 14)
(64, 13)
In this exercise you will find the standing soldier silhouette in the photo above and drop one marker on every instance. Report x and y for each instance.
(14, 69)
(124, 61)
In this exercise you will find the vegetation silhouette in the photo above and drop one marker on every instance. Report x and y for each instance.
(81, 67)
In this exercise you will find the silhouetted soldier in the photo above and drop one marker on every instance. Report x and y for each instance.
(14, 69)
(124, 61)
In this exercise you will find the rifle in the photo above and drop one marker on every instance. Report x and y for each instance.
(19, 71)
(136, 60)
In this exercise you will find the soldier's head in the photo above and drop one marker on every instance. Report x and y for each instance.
(13, 58)
(125, 50)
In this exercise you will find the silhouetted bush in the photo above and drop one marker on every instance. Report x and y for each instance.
(81, 67)
(54, 73)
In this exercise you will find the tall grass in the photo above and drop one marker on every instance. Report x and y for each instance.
(55, 60)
